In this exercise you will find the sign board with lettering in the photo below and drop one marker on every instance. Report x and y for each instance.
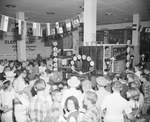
(8, 46)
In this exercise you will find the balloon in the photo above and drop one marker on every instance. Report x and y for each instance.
(75, 58)
(72, 62)
(83, 57)
(127, 64)
(128, 42)
(55, 43)
(72, 67)
(128, 57)
(128, 49)
(88, 58)
(56, 77)
(92, 63)
(79, 57)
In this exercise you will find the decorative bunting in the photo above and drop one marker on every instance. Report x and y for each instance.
(68, 24)
(60, 30)
(20, 27)
(4, 23)
(48, 29)
(75, 21)
(36, 29)
(57, 25)
(53, 31)
(81, 17)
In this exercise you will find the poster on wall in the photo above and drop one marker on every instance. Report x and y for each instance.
(119, 52)
(8, 47)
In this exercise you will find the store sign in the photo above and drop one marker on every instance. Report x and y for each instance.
(8, 46)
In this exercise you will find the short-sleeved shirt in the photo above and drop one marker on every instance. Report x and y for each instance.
(115, 106)
(38, 109)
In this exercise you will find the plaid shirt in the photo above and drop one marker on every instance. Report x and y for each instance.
(92, 115)
(146, 91)
(38, 109)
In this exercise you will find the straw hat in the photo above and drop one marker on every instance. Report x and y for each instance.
(101, 81)
(73, 82)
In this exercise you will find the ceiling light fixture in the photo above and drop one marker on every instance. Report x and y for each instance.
(50, 13)
(10, 6)
(109, 14)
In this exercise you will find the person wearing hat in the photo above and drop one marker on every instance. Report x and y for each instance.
(101, 92)
(73, 83)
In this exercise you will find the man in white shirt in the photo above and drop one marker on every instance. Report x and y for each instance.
(114, 106)
(102, 92)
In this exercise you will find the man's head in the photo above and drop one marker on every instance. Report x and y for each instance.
(90, 98)
(117, 86)
(57, 95)
(101, 81)
(39, 85)
(86, 85)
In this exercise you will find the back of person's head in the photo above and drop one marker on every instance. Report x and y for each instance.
(86, 85)
(7, 68)
(6, 85)
(117, 85)
(19, 72)
(30, 64)
(133, 93)
(56, 93)
(39, 85)
(91, 96)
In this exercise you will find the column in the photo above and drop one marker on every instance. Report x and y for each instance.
(21, 44)
(90, 10)
(136, 38)
(76, 41)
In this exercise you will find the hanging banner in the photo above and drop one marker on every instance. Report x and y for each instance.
(68, 24)
(48, 29)
(4, 23)
(8, 47)
(75, 21)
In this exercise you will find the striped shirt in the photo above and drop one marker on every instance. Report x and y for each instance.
(38, 109)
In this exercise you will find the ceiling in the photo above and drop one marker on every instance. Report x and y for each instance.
(59, 10)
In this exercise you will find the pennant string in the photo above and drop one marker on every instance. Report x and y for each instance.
(38, 22)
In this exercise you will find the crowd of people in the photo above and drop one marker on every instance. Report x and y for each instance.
(29, 93)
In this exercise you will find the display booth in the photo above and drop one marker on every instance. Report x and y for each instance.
(110, 57)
